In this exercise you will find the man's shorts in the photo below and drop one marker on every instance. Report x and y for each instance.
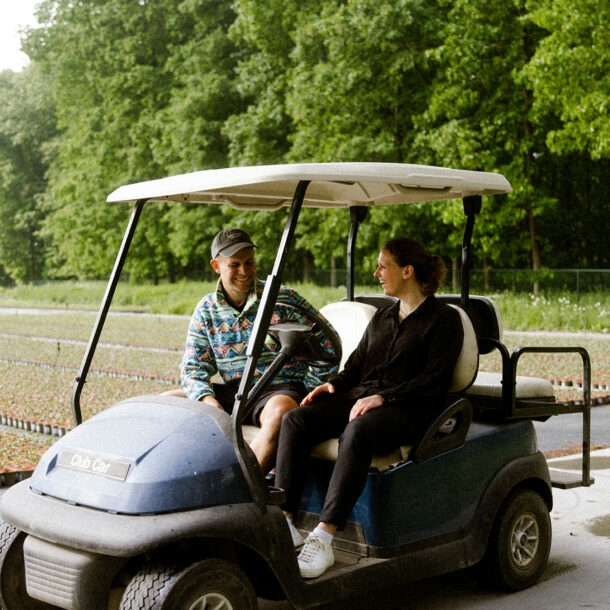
(225, 395)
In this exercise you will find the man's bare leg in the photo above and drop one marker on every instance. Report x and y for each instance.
(264, 445)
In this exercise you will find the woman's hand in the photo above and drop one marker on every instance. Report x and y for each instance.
(362, 405)
(325, 388)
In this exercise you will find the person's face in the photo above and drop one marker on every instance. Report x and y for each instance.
(237, 274)
(391, 276)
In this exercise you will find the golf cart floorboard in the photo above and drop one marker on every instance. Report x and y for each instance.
(345, 560)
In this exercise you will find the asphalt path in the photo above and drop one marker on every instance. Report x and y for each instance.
(565, 431)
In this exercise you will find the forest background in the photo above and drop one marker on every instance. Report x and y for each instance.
(120, 91)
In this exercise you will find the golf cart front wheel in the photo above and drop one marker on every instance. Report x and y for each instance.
(210, 583)
(520, 542)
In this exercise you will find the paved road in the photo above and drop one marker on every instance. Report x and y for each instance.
(564, 431)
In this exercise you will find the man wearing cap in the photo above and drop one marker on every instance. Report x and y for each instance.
(218, 337)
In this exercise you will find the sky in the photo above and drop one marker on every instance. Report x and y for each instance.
(13, 15)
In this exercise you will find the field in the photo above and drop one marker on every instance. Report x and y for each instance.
(41, 350)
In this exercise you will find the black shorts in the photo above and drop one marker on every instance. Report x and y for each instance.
(225, 395)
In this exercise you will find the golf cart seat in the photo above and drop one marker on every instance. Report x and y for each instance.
(350, 319)
(450, 428)
(504, 394)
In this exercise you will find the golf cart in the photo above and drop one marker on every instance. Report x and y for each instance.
(158, 501)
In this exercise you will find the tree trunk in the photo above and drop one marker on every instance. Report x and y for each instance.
(535, 249)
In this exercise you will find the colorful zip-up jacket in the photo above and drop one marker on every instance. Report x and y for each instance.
(218, 337)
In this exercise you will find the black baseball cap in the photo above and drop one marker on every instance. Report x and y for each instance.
(229, 241)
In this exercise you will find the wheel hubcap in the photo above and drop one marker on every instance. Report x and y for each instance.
(212, 601)
(524, 540)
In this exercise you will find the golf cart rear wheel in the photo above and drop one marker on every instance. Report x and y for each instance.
(520, 542)
(211, 583)
(13, 594)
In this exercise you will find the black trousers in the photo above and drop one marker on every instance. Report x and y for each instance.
(378, 431)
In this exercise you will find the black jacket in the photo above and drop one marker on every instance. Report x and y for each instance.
(408, 364)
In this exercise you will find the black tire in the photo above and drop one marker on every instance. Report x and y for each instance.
(213, 583)
(520, 541)
(13, 594)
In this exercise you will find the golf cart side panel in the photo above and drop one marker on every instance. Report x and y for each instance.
(412, 502)
(144, 455)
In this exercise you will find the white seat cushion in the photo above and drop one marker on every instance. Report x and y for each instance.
(468, 361)
(490, 384)
(349, 319)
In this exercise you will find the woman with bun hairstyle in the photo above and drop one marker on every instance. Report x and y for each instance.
(392, 387)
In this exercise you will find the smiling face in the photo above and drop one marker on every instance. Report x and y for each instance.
(391, 276)
(237, 274)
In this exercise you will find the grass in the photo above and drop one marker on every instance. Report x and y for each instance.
(43, 337)
(522, 311)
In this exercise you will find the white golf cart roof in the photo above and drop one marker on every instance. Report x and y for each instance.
(331, 185)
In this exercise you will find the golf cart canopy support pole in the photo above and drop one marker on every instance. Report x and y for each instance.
(472, 207)
(357, 214)
(268, 300)
(243, 405)
(81, 378)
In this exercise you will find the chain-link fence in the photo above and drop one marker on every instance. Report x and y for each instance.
(485, 281)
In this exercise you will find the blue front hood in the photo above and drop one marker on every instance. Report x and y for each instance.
(150, 454)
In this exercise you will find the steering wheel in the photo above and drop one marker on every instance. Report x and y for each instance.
(299, 338)
(319, 357)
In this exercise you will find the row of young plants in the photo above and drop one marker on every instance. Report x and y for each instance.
(139, 354)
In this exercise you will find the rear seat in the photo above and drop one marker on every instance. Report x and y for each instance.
(487, 321)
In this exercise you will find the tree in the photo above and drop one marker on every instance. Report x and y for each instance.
(569, 74)
(360, 74)
(142, 90)
(478, 119)
(263, 33)
(27, 129)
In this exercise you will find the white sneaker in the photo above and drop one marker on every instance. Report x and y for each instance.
(315, 557)
(297, 539)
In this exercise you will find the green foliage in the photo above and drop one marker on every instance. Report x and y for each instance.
(26, 122)
(570, 74)
(359, 76)
(120, 91)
